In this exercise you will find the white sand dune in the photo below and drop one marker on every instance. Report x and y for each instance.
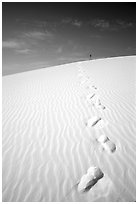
(47, 145)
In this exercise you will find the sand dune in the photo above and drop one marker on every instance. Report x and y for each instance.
(47, 145)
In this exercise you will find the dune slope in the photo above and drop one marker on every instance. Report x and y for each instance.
(52, 122)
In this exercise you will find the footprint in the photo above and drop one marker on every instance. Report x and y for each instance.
(93, 121)
(109, 146)
(90, 96)
(97, 103)
(90, 179)
(95, 171)
(102, 124)
(101, 107)
(94, 87)
(103, 139)
(106, 143)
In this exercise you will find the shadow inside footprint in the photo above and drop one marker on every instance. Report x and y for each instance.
(93, 121)
(93, 182)
(90, 97)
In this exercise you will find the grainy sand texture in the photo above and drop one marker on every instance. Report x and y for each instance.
(60, 121)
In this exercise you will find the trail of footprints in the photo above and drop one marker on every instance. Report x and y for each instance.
(93, 173)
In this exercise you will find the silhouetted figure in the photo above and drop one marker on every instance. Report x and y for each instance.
(90, 56)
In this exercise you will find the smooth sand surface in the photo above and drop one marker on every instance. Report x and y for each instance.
(47, 144)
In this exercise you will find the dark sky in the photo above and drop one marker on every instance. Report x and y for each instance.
(43, 34)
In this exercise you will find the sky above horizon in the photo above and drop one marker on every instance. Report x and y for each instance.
(36, 35)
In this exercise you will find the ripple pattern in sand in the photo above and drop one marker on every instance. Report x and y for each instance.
(47, 147)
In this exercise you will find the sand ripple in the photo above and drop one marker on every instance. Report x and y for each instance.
(47, 146)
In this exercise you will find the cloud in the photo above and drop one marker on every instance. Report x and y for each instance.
(11, 44)
(38, 35)
(35, 35)
(18, 46)
(77, 23)
(32, 23)
(124, 24)
(115, 25)
(24, 51)
(120, 25)
(100, 23)
(73, 22)
(27, 42)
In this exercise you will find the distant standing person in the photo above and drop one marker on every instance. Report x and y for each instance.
(90, 56)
